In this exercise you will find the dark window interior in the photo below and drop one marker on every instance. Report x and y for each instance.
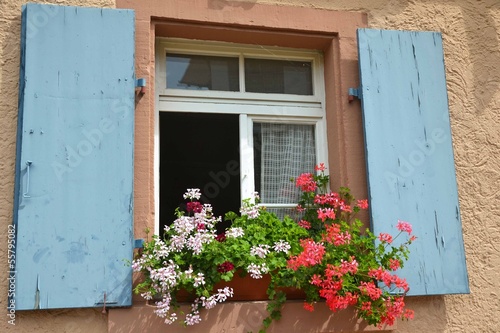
(278, 76)
(199, 150)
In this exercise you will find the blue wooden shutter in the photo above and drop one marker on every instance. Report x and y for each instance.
(74, 169)
(411, 171)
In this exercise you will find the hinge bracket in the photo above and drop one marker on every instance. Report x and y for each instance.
(140, 85)
(139, 243)
(355, 92)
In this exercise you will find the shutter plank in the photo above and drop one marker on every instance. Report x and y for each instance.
(410, 165)
(76, 118)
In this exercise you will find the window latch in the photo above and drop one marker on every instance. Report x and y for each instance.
(26, 194)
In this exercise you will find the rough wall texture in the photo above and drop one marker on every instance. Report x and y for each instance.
(471, 30)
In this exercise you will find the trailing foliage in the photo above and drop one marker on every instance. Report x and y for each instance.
(327, 253)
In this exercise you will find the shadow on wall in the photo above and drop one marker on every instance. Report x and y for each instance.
(220, 4)
(9, 85)
(242, 317)
(483, 41)
(430, 315)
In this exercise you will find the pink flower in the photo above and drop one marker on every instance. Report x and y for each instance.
(370, 289)
(337, 302)
(309, 306)
(304, 224)
(342, 238)
(366, 306)
(320, 167)
(345, 208)
(306, 182)
(385, 238)
(332, 271)
(348, 267)
(395, 309)
(334, 236)
(330, 199)
(400, 283)
(394, 264)
(324, 213)
(332, 232)
(316, 280)
(381, 275)
(363, 204)
(409, 314)
(311, 255)
(404, 226)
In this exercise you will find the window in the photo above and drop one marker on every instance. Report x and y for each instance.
(234, 119)
(85, 177)
(273, 144)
(198, 72)
(278, 76)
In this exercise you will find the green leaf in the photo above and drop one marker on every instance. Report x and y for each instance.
(230, 216)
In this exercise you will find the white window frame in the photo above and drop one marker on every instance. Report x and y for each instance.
(251, 107)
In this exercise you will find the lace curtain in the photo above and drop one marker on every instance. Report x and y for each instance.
(287, 150)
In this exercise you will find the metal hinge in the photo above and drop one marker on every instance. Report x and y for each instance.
(355, 92)
(139, 243)
(140, 85)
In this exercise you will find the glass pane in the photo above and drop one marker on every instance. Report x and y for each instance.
(278, 76)
(281, 152)
(198, 72)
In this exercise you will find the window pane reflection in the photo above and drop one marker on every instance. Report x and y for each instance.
(197, 72)
(278, 76)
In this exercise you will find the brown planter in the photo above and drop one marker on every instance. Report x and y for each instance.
(250, 289)
(247, 289)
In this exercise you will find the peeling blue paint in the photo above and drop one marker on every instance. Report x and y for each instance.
(409, 153)
(76, 124)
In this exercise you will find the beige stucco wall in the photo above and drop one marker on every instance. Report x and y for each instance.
(471, 31)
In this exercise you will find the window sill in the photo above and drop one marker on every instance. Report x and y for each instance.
(242, 317)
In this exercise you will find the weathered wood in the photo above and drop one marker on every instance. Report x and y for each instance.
(411, 171)
(76, 120)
